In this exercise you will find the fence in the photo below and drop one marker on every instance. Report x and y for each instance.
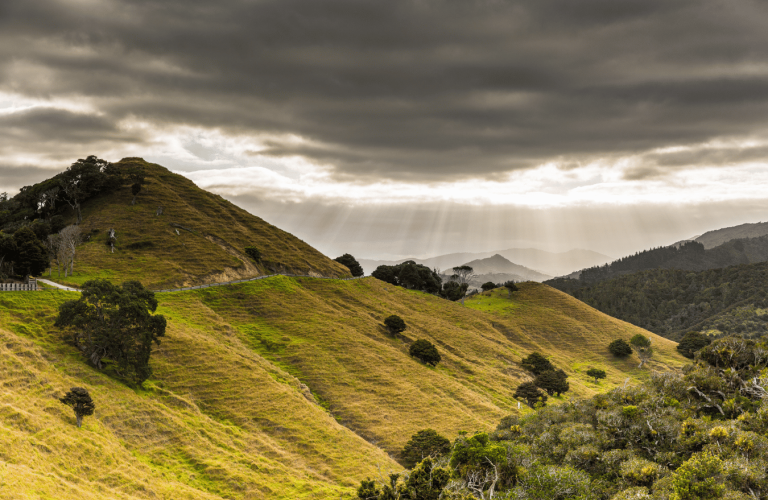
(19, 287)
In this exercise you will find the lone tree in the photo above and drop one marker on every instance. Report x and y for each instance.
(489, 285)
(536, 363)
(352, 264)
(425, 351)
(394, 324)
(80, 401)
(620, 348)
(553, 381)
(531, 394)
(511, 287)
(253, 253)
(642, 345)
(596, 374)
(462, 275)
(423, 444)
(692, 342)
(453, 290)
(113, 327)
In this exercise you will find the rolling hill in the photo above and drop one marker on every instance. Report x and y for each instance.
(497, 264)
(711, 239)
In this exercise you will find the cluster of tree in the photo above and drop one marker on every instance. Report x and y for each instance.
(511, 286)
(114, 327)
(639, 343)
(671, 302)
(691, 256)
(414, 276)
(696, 435)
(551, 380)
(352, 264)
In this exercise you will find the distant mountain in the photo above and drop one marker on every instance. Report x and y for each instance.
(553, 264)
(717, 237)
(499, 265)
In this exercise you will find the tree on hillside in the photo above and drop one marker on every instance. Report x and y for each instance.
(620, 348)
(642, 345)
(692, 342)
(410, 275)
(531, 394)
(462, 275)
(136, 177)
(80, 401)
(553, 381)
(83, 179)
(69, 238)
(511, 287)
(596, 373)
(536, 363)
(489, 285)
(351, 263)
(113, 326)
(453, 291)
(394, 324)
(425, 351)
(253, 253)
(423, 444)
(8, 252)
(31, 256)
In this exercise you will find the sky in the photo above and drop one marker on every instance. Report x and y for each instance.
(409, 128)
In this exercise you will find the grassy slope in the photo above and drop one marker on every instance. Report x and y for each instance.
(213, 252)
(218, 421)
(330, 335)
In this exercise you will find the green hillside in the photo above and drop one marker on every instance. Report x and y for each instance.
(199, 238)
(280, 388)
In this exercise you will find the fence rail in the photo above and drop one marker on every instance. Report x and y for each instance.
(18, 287)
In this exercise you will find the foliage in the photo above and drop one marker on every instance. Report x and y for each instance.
(354, 267)
(423, 444)
(553, 381)
(489, 285)
(511, 286)
(698, 478)
(596, 373)
(453, 290)
(639, 340)
(692, 342)
(80, 401)
(114, 326)
(620, 348)
(425, 482)
(425, 351)
(410, 275)
(531, 394)
(253, 253)
(31, 256)
(536, 363)
(395, 324)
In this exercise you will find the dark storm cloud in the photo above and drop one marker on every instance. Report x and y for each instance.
(419, 89)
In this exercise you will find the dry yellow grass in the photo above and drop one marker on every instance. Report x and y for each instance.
(151, 250)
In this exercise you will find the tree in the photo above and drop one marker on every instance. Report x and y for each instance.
(463, 275)
(692, 342)
(410, 275)
(536, 363)
(80, 401)
(425, 351)
(31, 257)
(70, 237)
(253, 253)
(8, 252)
(113, 326)
(83, 179)
(511, 287)
(596, 373)
(553, 381)
(620, 348)
(136, 177)
(489, 285)
(423, 444)
(395, 324)
(531, 394)
(351, 263)
(453, 291)
(642, 345)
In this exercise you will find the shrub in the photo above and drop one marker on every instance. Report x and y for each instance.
(536, 363)
(698, 478)
(620, 348)
(80, 401)
(692, 342)
(531, 394)
(423, 444)
(489, 285)
(425, 351)
(639, 341)
(394, 324)
(253, 253)
(596, 374)
(354, 267)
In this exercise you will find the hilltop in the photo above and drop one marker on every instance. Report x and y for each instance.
(286, 387)
(711, 239)
(177, 234)
(497, 264)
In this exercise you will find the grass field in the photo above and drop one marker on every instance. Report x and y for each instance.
(199, 238)
(280, 388)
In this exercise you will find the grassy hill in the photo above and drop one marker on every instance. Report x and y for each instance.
(280, 388)
(199, 237)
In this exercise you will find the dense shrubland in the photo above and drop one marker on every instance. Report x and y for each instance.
(699, 434)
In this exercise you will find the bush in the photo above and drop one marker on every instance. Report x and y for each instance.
(453, 290)
(488, 286)
(692, 342)
(395, 324)
(354, 267)
(596, 374)
(553, 381)
(620, 348)
(698, 478)
(425, 351)
(253, 253)
(531, 394)
(536, 363)
(423, 444)
(640, 341)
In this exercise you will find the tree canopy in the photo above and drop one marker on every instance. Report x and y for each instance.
(423, 444)
(354, 267)
(692, 342)
(536, 363)
(80, 401)
(410, 275)
(425, 351)
(395, 324)
(620, 348)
